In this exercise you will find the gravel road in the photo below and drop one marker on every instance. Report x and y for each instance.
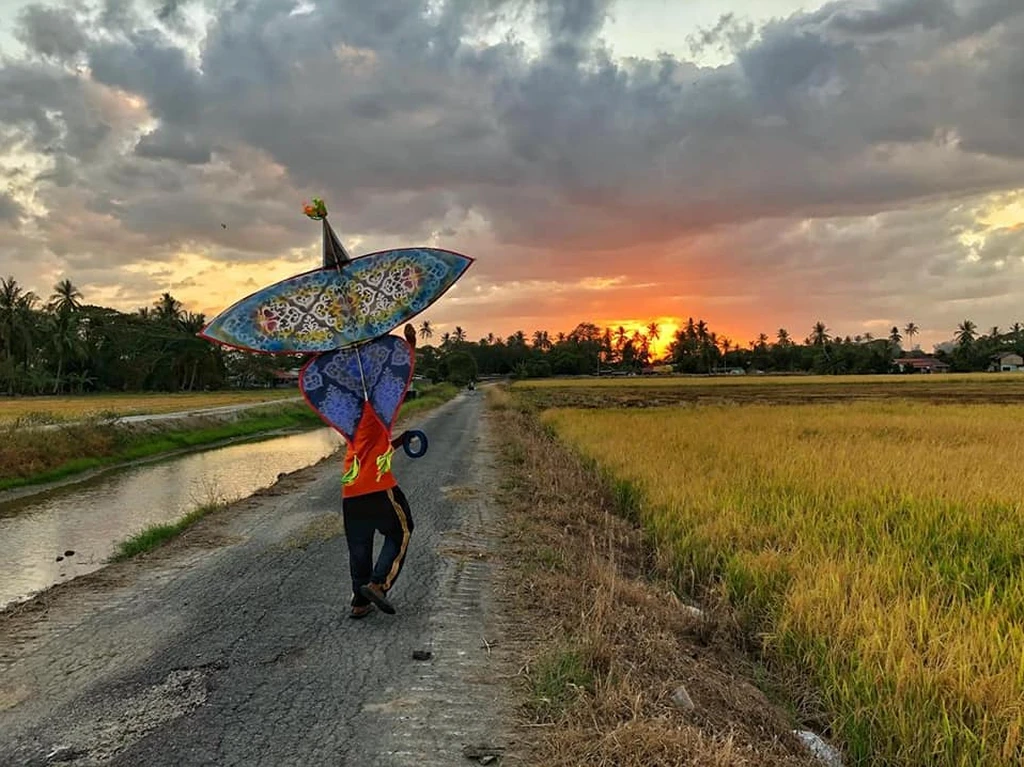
(232, 645)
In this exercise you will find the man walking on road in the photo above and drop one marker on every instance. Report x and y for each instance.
(373, 502)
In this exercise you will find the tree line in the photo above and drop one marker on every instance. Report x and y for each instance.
(697, 349)
(61, 344)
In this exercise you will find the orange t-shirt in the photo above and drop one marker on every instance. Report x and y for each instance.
(367, 467)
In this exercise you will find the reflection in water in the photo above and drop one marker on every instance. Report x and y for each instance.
(91, 517)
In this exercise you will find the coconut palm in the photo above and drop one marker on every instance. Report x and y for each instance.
(910, 331)
(460, 335)
(66, 298)
(620, 337)
(426, 331)
(168, 309)
(894, 336)
(16, 323)
(782, 337)
(63, 338)
(653, 331)
(966, 332)
(819, 335)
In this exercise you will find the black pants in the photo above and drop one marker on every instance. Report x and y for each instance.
(386, 512)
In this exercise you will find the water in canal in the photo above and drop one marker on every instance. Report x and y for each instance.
(92, 516)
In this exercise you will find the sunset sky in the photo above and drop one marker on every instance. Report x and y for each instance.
(757, 163)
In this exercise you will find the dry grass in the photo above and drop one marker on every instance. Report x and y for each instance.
(611, 382)
(875, 546)
(661, 392)
(59, 409)
(606, 645)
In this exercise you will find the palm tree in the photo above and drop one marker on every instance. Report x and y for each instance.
(620, 337)
(168, 308)
(994, 334)
(460, 335)
(541, 340)
(653, 331)
(911, 330)
(66, 297)
(783, 337)
(64, 338)
(762, 341)
(819, 336)
(894, 336)
(966, 332)
(16, 305)
(426, 331)
(446, 340)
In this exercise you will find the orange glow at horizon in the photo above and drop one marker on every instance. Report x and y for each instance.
(667, 328)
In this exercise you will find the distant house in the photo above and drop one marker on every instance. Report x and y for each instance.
(286, 378)
(1007, 362)
(657, 370)
(921, 365)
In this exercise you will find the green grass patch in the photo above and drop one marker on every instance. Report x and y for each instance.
(157, 535)
(430, 396)
(558, 679)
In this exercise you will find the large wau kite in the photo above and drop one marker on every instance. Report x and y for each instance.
(342, 313)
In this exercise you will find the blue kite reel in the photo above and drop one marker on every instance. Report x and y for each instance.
(407, 440)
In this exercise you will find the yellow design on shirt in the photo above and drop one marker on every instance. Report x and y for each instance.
(353, 471)
(384, 463)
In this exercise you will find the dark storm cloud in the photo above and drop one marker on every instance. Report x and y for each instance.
(408, 124)
(891, 17)
(50, 31)
(169, 143)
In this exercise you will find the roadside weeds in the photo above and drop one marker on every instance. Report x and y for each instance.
(616, 670)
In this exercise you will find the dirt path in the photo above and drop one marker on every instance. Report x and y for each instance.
(232, 644)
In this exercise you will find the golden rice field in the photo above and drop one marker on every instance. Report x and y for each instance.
(70, 408)
(775, 380)
(878, 545)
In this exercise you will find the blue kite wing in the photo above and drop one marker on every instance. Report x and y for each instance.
(332, 383)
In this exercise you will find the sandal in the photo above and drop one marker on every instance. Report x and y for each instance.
(360, 611)
(375, 594)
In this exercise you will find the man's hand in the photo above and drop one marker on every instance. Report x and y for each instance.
(410, 335)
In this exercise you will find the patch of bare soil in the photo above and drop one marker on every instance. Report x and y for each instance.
(615, 669)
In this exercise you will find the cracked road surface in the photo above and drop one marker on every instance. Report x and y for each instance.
(232, 645)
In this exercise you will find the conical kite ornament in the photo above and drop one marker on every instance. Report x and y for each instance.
(335, 254)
